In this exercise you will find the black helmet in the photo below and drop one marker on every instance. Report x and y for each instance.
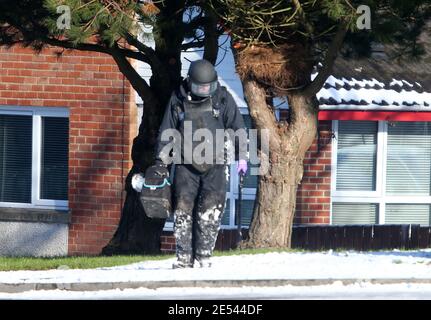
(202, 78)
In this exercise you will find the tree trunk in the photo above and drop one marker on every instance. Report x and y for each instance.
(274, 208)
(136, 233)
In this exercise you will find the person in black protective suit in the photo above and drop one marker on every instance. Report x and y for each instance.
(199, 189)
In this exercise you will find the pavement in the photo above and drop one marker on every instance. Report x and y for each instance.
(122, 285)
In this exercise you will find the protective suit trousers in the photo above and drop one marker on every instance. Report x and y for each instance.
(199, 205)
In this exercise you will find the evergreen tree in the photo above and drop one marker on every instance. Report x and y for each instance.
(114, 28)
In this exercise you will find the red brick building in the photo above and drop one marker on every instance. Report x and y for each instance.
(84, 96)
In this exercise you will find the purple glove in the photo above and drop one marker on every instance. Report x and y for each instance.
(242, 167)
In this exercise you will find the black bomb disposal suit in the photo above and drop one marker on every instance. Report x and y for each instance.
(199, 189)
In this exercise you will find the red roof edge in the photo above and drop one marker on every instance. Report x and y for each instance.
(375, 115)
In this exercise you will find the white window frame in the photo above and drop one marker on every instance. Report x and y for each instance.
(36, 113)
(379, 196)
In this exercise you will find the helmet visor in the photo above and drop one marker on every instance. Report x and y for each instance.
(203, 89)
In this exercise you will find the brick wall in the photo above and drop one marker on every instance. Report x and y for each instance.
(167, 242)
(101, 130)
(313, 197)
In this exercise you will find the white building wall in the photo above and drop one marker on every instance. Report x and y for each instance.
(225, 67)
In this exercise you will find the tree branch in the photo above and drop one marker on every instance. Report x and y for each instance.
(120, 57)
(137, 82)
(211, 37)
(192, 44)
(190, 26)
(135, 55)
(328, 64)
(307, 25)
(146, 50)
(118, 54)
(80, 46)
(96, 48)
(153, 60)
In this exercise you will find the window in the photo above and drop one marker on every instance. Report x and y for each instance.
(54, 158)
(408, 213)
(357, 150)
(364, 213)
(382, 173)
(15, 158)
(34, 157)
(408, 168)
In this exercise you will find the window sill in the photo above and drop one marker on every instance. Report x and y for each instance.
(35, 215)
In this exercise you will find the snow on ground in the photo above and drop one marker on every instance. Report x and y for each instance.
(286, 265)
(337, 290)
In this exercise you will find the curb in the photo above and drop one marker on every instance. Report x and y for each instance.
(98, 286)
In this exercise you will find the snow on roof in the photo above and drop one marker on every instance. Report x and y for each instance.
(380, 82)
(352, 93)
